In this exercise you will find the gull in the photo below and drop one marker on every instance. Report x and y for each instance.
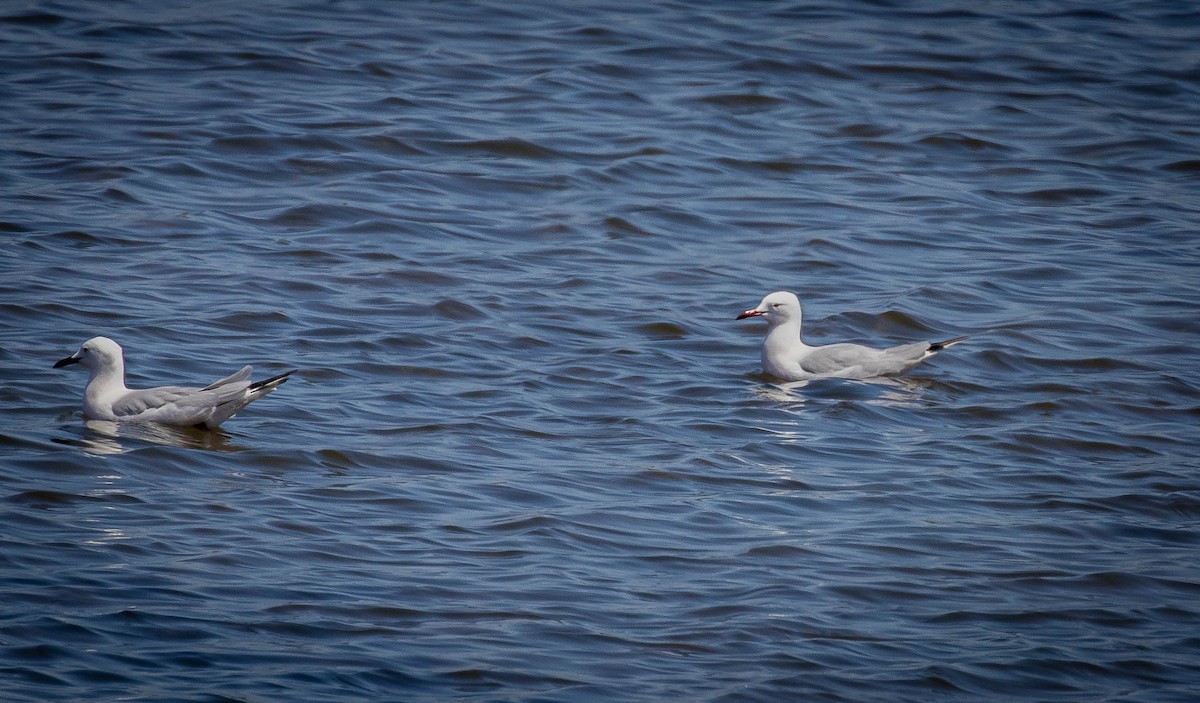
(786, 356)
(107, 398)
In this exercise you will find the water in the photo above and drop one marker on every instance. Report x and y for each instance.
(530, 455)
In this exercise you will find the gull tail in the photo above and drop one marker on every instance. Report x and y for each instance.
(938, 346)
(244, 397)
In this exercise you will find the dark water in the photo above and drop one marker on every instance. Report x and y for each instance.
(530, 456)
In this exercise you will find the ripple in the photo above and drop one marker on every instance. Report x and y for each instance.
(751, 102)
(961, 141)
(1052, 196)
(506, 148)
(49, 499)
(35, 19)
(1185, 166)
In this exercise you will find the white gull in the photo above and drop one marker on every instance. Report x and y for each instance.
(107, 398)
(786, 356)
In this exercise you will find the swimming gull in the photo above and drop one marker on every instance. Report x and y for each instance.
(107, 398)
(786, 356)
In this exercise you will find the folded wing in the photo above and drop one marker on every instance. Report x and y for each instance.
(175, 405)
(242, 374)
(858, 361)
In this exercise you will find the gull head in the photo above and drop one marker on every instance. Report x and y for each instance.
(96, 354)
(777, 308)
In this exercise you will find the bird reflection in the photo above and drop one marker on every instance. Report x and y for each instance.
(104, 438)
(882, 390)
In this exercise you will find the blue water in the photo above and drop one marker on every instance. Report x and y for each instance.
(530, 454)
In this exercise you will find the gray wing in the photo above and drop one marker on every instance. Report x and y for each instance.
(857, 360)
(241, 375)
(901, 358)
(175, 405)
(837, 358)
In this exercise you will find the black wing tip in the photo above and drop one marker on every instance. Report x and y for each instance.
(938, 346)
(272, 381)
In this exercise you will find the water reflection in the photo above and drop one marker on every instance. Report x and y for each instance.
(106, 536)
(104, 438)
(885, 391)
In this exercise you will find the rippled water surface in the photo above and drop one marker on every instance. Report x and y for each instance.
(530, 454)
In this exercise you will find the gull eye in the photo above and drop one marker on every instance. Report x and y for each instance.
(777, 305)
(85, 349)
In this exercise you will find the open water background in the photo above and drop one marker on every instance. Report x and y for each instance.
(530, 455)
